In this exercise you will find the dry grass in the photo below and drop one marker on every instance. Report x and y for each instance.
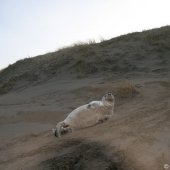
(79, 46)
(11, 83)
(121, 90)
(124, 90)
(85, 68)
(160, 40)
(121, 55)
(4, 88)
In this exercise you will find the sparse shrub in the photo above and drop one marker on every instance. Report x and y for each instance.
(85, 68)
(128, 37)
(77, 47)
(29, 77)
(9, 85)
(91, 41)
(124, 90)
(159, 40)
(4, 88)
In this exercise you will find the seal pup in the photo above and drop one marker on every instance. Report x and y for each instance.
(87, 115)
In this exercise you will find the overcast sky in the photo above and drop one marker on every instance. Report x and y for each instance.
(32, 27)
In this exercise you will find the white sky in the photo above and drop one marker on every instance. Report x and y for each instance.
(33, 27)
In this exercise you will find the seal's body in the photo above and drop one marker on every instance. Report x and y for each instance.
(87, 115)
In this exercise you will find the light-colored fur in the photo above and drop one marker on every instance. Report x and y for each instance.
(87, 115)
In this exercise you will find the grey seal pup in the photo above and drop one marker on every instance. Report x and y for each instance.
(87, 115)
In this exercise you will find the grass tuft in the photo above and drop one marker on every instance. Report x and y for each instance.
(4, 88)
(124, 90)
(77, 47)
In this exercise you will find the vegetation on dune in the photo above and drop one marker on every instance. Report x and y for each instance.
(9, 85)
(4, 88)
(124, 90)
(77, 47)
(139, 52)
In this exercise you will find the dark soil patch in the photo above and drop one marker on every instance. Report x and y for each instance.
(84, 156)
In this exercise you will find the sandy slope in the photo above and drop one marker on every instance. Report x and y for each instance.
(36, 93)
(136, 138)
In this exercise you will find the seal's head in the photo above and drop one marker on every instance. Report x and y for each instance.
(109, 98)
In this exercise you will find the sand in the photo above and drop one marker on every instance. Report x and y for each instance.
(137, 137)
(36, 93)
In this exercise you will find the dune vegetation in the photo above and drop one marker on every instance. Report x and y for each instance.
(144, 52)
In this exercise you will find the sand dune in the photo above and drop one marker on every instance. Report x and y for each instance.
(137, 137)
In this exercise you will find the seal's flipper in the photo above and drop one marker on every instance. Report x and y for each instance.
(55, 132)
